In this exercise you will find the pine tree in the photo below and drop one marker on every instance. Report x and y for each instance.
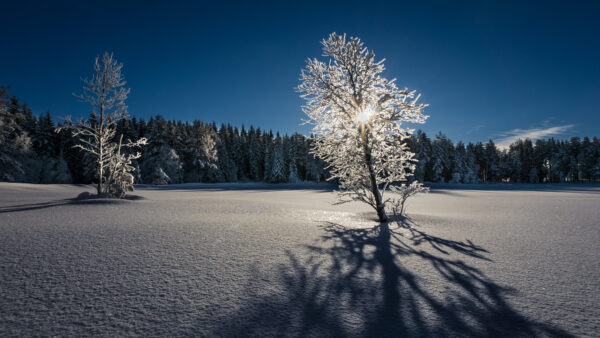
(161, 164)
(459, 166)
(491, 159)
(441, 157)
(63, 174)
(472, 168)
(267, 144)
(293, 155)
(45, 145)
(256, 155)
(15, 143)
(422, 150)
(278, 174)
(226, 163)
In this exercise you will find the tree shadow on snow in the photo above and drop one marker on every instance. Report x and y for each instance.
(356, 285)
(83, 198)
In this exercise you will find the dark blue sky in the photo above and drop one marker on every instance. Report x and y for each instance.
(488, 70)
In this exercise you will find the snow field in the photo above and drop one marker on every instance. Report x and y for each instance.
(280, 260)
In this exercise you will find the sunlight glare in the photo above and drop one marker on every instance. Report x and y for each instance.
(365, 115)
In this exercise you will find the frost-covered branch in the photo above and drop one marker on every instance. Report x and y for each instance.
(120, 180)
(402, 193)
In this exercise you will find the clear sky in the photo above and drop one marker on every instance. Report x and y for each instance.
(488, 69)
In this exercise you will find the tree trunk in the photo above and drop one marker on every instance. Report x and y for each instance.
(99, 188)
(101, 149)
(379, 207)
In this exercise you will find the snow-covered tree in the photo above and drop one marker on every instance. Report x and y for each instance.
(460, 164)
(15, 143)
(207, 153)
(278, 174)
(422, 150)
(314, 165)
(162, 166)
(291, 159)
(106, 94)
(255, 155)
(199, 153)
(491, 157)
(596, 169)
(470, 176)
(357, 116)
(441, 153)
(226, 163)
(63, 174)
(162, 163)
(268, 158)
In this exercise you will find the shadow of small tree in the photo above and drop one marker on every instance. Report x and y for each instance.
(82, 198)
(358, 286)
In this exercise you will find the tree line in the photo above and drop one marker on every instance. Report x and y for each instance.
(545, 161)
(31, 150)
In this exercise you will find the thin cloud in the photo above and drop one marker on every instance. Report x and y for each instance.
(533, 134)
(474, 129)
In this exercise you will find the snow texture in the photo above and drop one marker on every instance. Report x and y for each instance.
(280, 260)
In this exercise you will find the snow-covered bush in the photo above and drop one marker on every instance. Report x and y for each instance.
(402, 193)
(120, 178)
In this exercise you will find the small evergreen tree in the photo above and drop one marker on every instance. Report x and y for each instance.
(278, 174)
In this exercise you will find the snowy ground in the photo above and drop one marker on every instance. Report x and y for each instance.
(252, 260)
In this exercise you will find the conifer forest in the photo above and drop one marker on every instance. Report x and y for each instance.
(183, 151)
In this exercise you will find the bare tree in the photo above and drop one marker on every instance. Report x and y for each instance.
(106, 94)
(357, 116)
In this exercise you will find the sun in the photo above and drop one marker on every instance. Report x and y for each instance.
(365, 115)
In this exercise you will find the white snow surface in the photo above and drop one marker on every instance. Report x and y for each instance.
(232, 260)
